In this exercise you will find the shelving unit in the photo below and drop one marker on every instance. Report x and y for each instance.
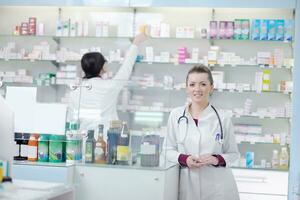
(171, 97)
(137, 16)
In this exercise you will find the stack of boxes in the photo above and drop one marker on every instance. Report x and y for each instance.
(182, 54)
(67, 75)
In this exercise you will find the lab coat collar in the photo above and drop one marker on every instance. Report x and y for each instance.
(203, 113)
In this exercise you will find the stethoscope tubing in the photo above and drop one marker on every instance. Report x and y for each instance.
(184, 117)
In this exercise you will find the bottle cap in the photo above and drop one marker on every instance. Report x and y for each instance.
(100, 128)
(90, 133)
(6, 179)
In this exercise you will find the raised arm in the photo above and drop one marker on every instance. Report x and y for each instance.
(125, 70)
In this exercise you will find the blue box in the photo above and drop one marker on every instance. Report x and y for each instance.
(289, 30)
(255, 31)
(280, 29)
(271, 29)
(263, 30)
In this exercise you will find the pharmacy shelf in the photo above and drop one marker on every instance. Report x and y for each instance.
(4, 84)
(150, 38)
(135, 108)
(22, 60)
(214, 3)
(289, 4)
(260, 168)
(261, 143)
(65, 37)
(240, 66)
(173, 89)
(63, 164)
(149, 63)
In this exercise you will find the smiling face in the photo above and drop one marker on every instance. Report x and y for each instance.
(199, 87)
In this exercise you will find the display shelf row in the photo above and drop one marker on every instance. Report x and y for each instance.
(240, 66)
(57, 38)
(135, 108)
(261, 143)
(238, 142)
(122, 167)
(30, 84)
(141, 87)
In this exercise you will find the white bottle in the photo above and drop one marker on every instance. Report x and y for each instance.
(275, 159)
(283, 158)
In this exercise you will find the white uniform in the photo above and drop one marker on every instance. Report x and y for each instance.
(207, 182)
(98, 105)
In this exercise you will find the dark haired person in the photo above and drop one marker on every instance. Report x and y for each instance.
(201, 140)
(98, 100)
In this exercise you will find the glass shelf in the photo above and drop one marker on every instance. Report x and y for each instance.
(150, 38)
(259, 168)
(141, 87)
(30, 84)
(49, 164)
(28, 60)
(217, 65)
(152, 63)
(134, 108)
(260, 143)
(65, 37)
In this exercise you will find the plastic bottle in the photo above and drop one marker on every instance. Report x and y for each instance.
(249, 159)
(100, 147)
(123, 150)
(32, 148)
(113, 134)
(150, 150)
(1, 171)
(43, 149)
(283, 158)
(90, 147)
(57, 148)
(275, 159)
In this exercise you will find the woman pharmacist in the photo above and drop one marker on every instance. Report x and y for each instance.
(98, 96)
(202, 141)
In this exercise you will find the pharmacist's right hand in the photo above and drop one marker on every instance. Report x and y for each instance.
(141, 37)
(192, 162)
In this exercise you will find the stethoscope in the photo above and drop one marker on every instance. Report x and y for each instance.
(218, 137)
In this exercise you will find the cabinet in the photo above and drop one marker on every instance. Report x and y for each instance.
(126, 183)
(261, 184)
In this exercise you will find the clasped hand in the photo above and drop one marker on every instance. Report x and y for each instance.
(198, 161)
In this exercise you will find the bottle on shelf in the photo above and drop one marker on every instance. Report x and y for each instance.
(33, 148)
(43, 148)
(100, 147)
(1, 171)
(90, 147)
(284, 159)
(150, 145)
(57, 148)
(73, 143)
(275, 159)
(113, 134)
(123, 150)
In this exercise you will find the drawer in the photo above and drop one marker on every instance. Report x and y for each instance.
(244, 196)
(261, 181)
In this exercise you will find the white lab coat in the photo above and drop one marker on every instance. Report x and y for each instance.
(208, 182)
(98, 105)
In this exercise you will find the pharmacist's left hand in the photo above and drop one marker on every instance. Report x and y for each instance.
(207, 159)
